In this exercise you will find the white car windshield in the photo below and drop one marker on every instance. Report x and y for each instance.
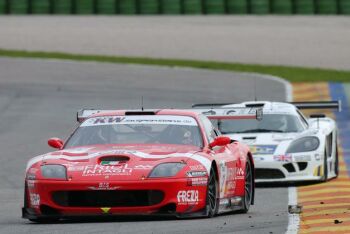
(269, 123)
(150, 129)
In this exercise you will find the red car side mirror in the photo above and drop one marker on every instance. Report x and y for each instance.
(220, 141)
(56, 143)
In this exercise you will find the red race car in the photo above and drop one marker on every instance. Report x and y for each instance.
(159, 162)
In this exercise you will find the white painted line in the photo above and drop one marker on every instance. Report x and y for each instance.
(293, 219)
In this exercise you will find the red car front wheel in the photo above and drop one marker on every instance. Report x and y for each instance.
(212, 194)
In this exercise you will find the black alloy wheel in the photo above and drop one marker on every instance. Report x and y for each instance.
(212, 194)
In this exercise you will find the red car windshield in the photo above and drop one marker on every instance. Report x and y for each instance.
(153, 129)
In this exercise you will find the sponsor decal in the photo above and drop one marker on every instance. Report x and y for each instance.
(31, 176)
(196, 173)
(248, 141)
(113, 152)
(198, 167)
(231, 185)
(143, 167)
(105, 210)
(262, 149)
(224, 174)
(107, 168)
(103, 186)
(239, 173)
(282, 158)
(235, 200)
(224, 202)
(189, 197)
(302, 158)
(157, 119)
(209, 112)
(34, 199)
(99, 170)
(75, 168)
(256, 158)
(201, 181)
(30, 184)
(231, 173)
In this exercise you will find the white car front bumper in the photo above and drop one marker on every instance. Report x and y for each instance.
(292, 167)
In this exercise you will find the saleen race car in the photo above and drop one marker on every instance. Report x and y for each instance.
(161, 162)
(285, 145)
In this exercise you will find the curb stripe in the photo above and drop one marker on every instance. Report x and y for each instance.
(323, 203)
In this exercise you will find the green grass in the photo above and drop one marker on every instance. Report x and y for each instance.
(293, 74)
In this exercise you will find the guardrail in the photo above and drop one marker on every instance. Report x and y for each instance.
(125, 7)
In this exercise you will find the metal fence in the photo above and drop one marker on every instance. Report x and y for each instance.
(175, 7)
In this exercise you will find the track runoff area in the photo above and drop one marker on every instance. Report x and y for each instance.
(326, 206)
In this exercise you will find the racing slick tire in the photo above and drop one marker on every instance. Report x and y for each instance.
(325, 167)
(212, 200)
(336, 163)
(248, 187)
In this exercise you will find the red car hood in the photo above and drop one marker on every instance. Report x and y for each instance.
(127, 162)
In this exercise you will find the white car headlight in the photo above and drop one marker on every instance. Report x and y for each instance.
(54, 172)
(304, 144)
(166, 170)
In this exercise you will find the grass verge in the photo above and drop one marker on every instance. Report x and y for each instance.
(293, 74)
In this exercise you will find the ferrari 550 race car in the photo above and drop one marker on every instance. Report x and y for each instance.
(161, 162)
(286, 145)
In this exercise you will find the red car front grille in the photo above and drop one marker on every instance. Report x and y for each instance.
(115, 198)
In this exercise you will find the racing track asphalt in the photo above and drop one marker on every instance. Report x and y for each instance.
(39, 99)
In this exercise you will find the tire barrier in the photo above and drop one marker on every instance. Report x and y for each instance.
(153, 7)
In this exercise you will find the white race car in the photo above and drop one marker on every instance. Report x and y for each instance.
(285, 144)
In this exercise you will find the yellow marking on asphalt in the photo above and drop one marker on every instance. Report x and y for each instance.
(323, 203)
(330, 228)
(323, 198)
(337, 183)
(325, 212)
(328, 190)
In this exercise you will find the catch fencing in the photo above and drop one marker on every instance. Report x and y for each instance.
(175, 7)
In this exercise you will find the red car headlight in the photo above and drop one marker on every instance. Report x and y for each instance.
(166, 170)
(54, 172)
